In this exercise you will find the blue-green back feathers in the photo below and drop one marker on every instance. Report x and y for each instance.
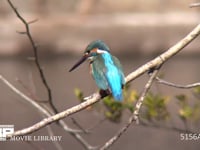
(108, 74)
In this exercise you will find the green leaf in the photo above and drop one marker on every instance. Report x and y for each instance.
(79, 94)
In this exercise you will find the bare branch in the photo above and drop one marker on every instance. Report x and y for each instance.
(35, 50)
(96, 124)
(193, 85)
(32, 21)
(78, 125)
(21, 32)
(135, 114)
(28, 91)
(195, 5)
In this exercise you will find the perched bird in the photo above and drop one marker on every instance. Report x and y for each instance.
(105, 68)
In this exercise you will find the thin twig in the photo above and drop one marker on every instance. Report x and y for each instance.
(96, 124)
(135, 114)
(89, 129)
(32, 21)
(193, 85)
(96, 96)
(78, 125)
(195, 5)
(35, 50)
(28, 91)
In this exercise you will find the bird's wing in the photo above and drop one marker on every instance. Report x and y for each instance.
(98, 73)
(119, 67)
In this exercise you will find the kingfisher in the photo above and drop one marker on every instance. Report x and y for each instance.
(105, 68)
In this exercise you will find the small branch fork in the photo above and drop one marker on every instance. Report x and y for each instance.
(35, 50)
(188, 86)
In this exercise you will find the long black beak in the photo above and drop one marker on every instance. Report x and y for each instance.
(79, 63)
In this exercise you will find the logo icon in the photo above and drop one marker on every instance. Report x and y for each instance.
(5, 130)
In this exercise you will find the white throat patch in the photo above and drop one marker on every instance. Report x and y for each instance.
(99, 51)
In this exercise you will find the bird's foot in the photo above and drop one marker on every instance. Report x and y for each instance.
(104, 93)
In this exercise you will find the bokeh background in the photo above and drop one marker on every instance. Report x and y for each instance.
(136, 32)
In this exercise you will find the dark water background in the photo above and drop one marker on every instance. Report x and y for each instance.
(13, 110)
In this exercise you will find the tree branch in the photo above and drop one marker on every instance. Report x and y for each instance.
(193, 85)
(35, 51)
(195, 5)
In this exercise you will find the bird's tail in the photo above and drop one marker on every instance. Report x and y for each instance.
(115, 86)
(118, 96)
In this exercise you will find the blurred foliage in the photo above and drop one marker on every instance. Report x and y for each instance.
(197, 90)
(188, 111)
(154, 107)
(114, 108)
(79, 94)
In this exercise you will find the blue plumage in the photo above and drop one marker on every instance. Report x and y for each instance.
(105, 68)
(113, 75)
